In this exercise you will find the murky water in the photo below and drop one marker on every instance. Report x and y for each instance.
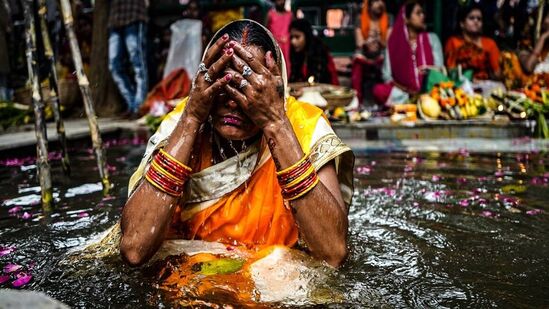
(427, 230)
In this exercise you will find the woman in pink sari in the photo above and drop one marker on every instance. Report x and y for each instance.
(410, 52)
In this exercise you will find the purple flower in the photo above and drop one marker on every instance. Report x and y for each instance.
(14, 210)
(415, 204)
(464, 152)
(487, 214)
(363, 169)
(464, 203)
(498, 174)
(536, 181)
(6, 250)
(408, 169)
(21, 280)
(4, 279)
(435, 178)
(83, 214)
(461, 180)
(533, 212)
(482, 178)
(10, 268)
(26, 215)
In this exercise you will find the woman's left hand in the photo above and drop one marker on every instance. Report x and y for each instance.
(258, 88)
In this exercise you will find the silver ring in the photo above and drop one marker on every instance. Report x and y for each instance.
(246, 71)
(202, 68)
(243, 83)
(208, 78)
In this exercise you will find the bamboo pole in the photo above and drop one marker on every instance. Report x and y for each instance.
(44, 173)
(54, 87)
(541, 6)
(86, 95)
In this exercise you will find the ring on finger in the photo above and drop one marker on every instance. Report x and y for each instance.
(246, 71)
(243, 83)
(202, 68)
(208, 78)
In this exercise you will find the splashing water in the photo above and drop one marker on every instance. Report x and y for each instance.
(412, 244)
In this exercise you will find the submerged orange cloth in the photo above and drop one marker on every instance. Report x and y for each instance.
(365, 23)
(254, 214)
(483, 59)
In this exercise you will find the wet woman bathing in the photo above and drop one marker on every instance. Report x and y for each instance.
(238, 162)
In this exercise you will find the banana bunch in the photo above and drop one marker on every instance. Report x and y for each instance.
(455, 103)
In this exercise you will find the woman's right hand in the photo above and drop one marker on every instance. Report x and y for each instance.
(207, 84)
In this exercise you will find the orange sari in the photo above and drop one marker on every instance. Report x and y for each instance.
(239, 201)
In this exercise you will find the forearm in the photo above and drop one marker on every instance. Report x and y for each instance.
(148, 212)
(321, 217)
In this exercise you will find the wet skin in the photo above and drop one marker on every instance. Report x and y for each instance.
(239, 114)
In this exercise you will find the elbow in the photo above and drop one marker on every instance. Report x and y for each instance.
(338, 256)
(132, 255)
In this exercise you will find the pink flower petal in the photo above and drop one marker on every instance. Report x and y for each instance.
(6, 250)
(4, 279)
(461, 180)
(408, 169)
(533, 212)
(464, 203)
(10, 268)
(464, 152)
(415, 204)
(487, 214)
(435, 178)
(14, 210)
(83, 215)
(26, 215)
(498, 174)
(21, 281)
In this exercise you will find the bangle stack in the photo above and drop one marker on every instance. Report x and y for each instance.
(167, 174)
(297, 179)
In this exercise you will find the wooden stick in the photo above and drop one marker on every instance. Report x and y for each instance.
(86, 95)
(42, 164)
(541, 5)
(54, 87)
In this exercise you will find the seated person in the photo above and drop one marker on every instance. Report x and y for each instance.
(309, 56)
(411, 51)
(471, 50)
(536, 60)
(371, 34)
(239, 163)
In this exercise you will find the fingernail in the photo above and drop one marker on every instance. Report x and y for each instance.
(225, 37)
(232, 43)
(229, 51)
(228, 77)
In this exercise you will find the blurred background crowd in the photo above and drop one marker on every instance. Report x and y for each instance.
(141, 56)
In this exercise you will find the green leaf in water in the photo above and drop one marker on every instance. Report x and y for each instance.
(222, 266)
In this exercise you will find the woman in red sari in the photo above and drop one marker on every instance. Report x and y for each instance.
(410, 52)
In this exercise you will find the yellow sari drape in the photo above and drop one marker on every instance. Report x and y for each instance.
(239, 201)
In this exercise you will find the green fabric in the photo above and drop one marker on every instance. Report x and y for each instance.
(435, 77)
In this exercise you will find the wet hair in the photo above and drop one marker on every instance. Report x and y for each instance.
(315, 53)
(409, 7)
(466, 10)
(249, 33)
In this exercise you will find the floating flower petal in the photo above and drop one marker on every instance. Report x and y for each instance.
(22, 280)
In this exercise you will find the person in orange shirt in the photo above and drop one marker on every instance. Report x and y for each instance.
(471, 49)
(240, 163)
(371, 33)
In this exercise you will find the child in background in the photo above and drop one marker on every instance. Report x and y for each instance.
(278, 22)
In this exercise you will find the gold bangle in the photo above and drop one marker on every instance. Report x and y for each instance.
(166, 173)
(159, 187)
(288, 169)
(309, 188)
(169, 156)
(308, 172)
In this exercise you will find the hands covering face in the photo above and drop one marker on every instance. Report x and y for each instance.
(250, 77)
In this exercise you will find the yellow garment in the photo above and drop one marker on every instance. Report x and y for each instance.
(253, 212)
(221, 18)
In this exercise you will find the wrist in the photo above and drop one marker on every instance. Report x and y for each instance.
(275, 127)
